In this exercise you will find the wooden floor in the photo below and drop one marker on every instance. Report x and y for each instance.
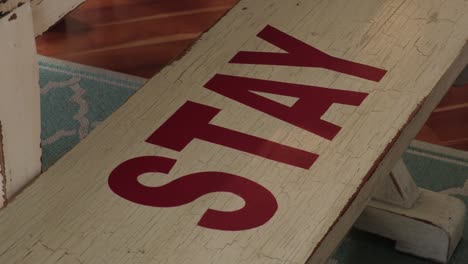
(133, 36)
(448, 124)
(140, 37)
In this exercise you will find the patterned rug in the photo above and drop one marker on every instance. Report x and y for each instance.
(76, 98)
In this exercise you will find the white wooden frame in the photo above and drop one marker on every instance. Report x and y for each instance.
(423, 223)
(19, 102)
(45, 13)
(20, 21)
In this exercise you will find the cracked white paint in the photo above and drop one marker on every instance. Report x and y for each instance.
(79, 214)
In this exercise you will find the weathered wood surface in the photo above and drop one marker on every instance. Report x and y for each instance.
(398, 188)
(48, 12)
(70, 214)
(45, 12)
(19, 102)
(8, 5)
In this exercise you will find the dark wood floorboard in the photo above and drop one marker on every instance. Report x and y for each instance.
(140, 37)
(136, 37)
(448, 124)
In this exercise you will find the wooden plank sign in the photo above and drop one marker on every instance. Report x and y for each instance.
(261, 145)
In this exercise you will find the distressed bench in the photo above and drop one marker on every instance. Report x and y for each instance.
(279, 130)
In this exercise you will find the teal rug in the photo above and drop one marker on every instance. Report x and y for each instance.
(76, 98)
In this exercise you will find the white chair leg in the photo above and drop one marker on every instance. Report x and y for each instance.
(20, 124)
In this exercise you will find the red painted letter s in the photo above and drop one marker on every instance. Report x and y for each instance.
(260, 204)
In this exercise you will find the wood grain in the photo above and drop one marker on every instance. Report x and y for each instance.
(70, 215)
(103, 33)
(448, 125)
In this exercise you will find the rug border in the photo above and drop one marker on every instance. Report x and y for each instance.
(99, 71)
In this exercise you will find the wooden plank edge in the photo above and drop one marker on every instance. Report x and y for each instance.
(48, 12)
(3, 180)
(462, 79)
(19, 103)
(387, 160)
(45, 12)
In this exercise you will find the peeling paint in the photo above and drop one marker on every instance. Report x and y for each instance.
(2, 169)
(13, 17)
(371, 172)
